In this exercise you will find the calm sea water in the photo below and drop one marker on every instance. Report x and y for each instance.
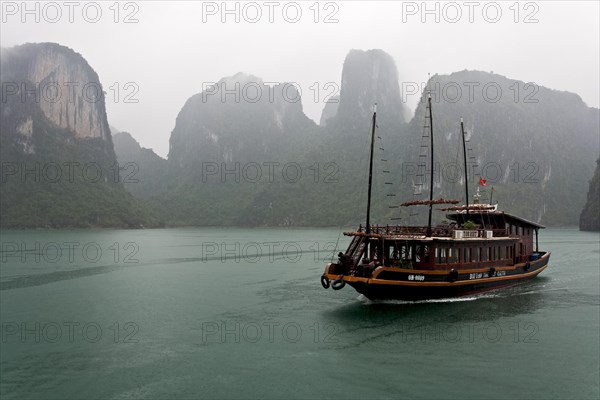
(240, 313)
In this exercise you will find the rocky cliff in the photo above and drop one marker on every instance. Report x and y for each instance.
(64, 86)
(590, 216)
(58, 163)
(368, 77)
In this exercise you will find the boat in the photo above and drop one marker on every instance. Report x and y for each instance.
(479, 249)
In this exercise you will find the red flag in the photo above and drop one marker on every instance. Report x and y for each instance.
(482, 181)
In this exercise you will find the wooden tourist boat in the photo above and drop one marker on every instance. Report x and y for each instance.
(480, 249)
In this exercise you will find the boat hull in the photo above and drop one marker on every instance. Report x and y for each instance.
(384, 286)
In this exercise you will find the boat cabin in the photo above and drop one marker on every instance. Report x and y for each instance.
(470, 241)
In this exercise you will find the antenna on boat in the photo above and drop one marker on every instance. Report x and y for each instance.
(431, 180)
(462, 129)
(368, 227)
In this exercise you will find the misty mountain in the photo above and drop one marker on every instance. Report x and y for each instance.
(138, 164)
(368, 77)
(515, 131)
(239, 119)
(244, 153)
(234, 156)
(590, 215)
(307, 175)
(58, 164)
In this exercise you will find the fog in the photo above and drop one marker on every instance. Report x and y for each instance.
(152, 56)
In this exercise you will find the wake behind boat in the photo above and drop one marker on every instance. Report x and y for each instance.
(481, 249)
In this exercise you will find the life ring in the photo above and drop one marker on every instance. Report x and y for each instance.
(527, 266)
(492, 272)
(325, 282)
(453, 275)
(338, 284)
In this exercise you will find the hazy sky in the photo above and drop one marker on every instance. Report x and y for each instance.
(161, 53)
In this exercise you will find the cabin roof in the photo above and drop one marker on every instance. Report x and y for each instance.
(498, 216)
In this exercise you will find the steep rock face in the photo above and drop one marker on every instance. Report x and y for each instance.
(330, 110)
(67, 89)
(239, 119)
(369, 77)
(59, 165)
(590, 216)
(533, 144)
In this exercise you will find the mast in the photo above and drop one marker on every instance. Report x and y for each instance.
(431, 180)
(368, 230)
(462, 129)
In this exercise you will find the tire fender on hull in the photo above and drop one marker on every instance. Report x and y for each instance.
(338, 284)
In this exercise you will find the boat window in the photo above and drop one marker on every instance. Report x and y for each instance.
(392, 251)
(441, 255)
(453, 255)
(405, 252)
(484, 254)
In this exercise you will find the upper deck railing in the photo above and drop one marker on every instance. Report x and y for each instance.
(437, 231)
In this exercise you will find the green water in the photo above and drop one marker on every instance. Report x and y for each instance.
(240, 313)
